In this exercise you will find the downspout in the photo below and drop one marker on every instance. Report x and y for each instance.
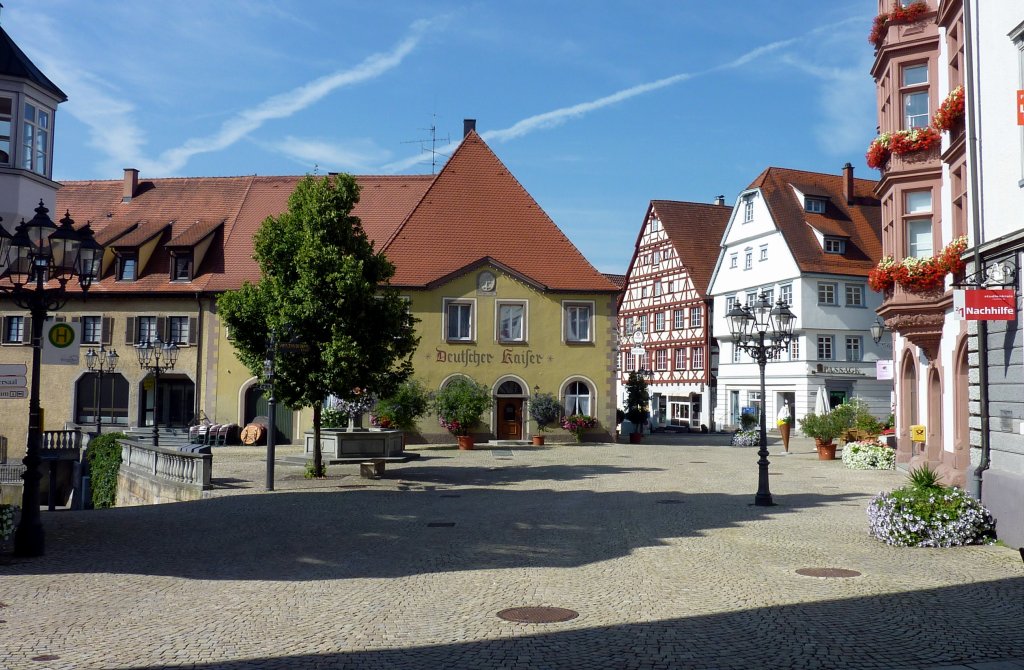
(973, 104)
(199, 357)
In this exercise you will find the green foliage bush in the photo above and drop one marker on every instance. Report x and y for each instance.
(545, 410)
(410, 401)
(460, 403)
(104, 456)
(748, 421)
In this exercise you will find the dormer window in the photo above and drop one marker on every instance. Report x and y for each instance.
(814, 205)
(36, 139)
(834, 245)
(182, 267)
(127, 267)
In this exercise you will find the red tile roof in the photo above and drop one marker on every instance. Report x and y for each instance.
(430, 227)
(695, 230)
(476, 208)
(860, 221)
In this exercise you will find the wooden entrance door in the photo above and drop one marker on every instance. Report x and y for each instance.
(510, 418)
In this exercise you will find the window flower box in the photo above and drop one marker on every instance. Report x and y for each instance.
(951, 111)
(918, 275)
(898, 14)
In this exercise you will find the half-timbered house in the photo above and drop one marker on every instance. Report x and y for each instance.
(665, 300)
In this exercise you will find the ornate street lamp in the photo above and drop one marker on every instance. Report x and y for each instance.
(157, 357)
(36, 265)
(101, 363)
(878, 330)
(763, 331)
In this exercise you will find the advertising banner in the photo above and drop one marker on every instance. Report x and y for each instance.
(985, 304)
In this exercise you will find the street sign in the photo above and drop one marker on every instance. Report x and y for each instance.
(7, 382)
(60, 343)
(1020, 108)
(13, 393)
(985, 305)
(13, 369)
(917, 433)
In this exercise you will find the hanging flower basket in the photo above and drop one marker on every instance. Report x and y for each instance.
(918, 275)
(950, 111)
(898, 14)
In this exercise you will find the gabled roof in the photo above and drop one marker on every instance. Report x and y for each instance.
(695, 230)
(14, 63)
(476, 208)
(860, 222)
(429, 226)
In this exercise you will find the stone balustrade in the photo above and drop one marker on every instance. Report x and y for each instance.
(150, 475)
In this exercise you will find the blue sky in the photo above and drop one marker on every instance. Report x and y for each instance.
(596, 107)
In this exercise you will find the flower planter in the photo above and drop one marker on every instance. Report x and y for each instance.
(636, 438)
(538, 440)
(826, 450)
(465, 442)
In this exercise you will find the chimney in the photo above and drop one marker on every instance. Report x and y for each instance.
(131, 183)
(467, 126)
(720, 200)
(848, 190)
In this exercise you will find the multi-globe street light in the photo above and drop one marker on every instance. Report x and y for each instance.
(36, 265)
(157, 357)
(102, 362)
(763, 331)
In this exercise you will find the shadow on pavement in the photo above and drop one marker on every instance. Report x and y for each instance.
(974, 623)
(345, 533)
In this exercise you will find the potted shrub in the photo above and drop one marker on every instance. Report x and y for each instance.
(637, 399)
(545, 410)
(578, 424)
(400, 410)
(458, 407)
(824, 428)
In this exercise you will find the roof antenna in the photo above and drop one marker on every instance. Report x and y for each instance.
(434, 153)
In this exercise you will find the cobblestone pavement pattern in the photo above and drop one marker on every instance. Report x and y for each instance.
(656, 546)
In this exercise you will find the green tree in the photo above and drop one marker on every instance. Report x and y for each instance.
(638, 399)
(323, 286)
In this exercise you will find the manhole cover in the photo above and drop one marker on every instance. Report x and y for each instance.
(698, 462)
(441, 524)
(827, 572)
(670, 501)
(537, 614)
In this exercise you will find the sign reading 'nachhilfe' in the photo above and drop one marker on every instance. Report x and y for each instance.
(985, 305)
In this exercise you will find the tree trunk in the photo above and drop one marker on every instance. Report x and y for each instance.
(318, 456)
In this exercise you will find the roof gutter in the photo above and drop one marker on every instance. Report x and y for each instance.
(973, 104)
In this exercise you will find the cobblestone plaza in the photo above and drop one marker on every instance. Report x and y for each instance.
(656, 546)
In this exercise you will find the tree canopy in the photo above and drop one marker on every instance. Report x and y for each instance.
(324, 286)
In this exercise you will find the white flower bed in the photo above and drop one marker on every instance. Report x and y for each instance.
(746, 438)
(868, 456)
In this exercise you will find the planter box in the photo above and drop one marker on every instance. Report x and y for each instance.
(357, 443)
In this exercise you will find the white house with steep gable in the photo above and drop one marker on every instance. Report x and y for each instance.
(809, 239)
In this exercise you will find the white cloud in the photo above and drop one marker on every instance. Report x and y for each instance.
(358, 156)
(114, 131)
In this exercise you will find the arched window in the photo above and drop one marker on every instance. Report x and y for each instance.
(908, 396)
(510, 388)
(577, 398)
(109, 403)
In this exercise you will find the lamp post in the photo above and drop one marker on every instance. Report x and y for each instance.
(36, 264)
(157, 357)
(763, 331)
(268, 374)
(101, 363)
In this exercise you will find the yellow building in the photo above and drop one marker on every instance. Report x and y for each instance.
(501, 295)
